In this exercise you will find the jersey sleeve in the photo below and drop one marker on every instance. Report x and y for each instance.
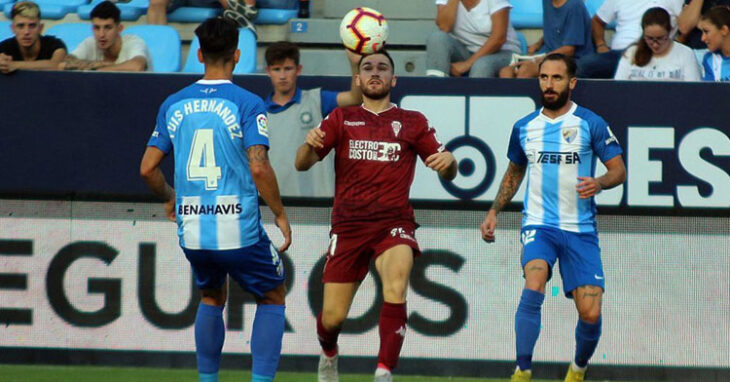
(328, 101)
(56, 44)
(575, 26)
(515, 152)
(603, 142)
(426, 141)
(160, 136)
(332, 127)
(255, 125)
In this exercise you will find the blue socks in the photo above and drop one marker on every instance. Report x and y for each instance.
(586, 340)
(268, 328)
(209, 336)
(527, 326)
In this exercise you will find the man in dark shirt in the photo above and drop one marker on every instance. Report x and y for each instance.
(28, 49)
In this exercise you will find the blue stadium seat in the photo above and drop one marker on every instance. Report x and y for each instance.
(163, 42)
(247, 64)
(128, 11)
(3, 2)
(192, 14)
(48, 11)
(526, 14)
(71, 33)
(593, 5)
(275, 16)
(5, 32)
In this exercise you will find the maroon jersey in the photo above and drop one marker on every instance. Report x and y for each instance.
(375, 161)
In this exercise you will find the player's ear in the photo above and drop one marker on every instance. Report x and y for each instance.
(393, 81)
(200, 55)
(40, 28)
(572, 82)
(299, 69)
(357, 79)
(237, 55)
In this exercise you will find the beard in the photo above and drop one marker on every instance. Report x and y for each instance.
(376, 94)
(559, 102)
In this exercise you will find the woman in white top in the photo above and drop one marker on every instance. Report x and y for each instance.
(656, 57)
(474, 37)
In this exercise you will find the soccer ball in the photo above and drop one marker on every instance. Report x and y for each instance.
(364, 30)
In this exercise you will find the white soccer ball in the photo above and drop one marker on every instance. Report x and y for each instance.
(364, 30)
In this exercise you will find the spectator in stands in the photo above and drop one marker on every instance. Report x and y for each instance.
(475, 37)
(28, 49)
(292, 112)
(690, 34)
(566, 30)
(243, 12)
(656, 57)
(715, 26)
(108, 50)
(627, 15)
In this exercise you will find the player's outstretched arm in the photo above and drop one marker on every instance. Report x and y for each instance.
(265, 179)
(150, 172)
(444, 163)
(507, 190)
(306, 154)
(616, 174)
(354, 95)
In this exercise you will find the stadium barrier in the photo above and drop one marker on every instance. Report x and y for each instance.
(91, 272)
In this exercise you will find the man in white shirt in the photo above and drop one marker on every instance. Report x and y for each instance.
(627, 15)
(108, 50)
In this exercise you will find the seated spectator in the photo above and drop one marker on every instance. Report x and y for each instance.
(243, 12)
(715, 26)
(475, 37)
(108, 50)
(28, 49)
(566, 30)
(656, 57)
(690, 33)
(627, 15)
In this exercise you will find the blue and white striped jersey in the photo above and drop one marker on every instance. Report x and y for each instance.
(209, 125)
(556, 152)
(716, 67)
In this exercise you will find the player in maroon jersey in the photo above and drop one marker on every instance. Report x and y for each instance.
(375, 146)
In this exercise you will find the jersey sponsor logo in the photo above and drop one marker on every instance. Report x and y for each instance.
(209, 209)
(353, 123)
(570, 133)
(374, 151)
(402, 233)
(396, 127)
(263, 125)
(598, 277)
(401, 331)
(208, 90)
(155, 134)
(528, 236)
(558, 157)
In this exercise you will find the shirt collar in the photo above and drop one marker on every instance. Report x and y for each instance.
(273, 107)
(213, 82)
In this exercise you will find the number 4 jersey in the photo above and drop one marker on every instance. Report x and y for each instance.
(209, 125)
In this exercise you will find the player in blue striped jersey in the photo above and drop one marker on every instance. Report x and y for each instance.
(218, 134)
(556, 148)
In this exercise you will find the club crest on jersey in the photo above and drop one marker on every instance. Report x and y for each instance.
(305, 118)
(396, 127)
(569, 134)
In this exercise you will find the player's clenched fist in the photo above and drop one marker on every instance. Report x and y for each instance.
(440, 161)
(488, 226)
(315, 138)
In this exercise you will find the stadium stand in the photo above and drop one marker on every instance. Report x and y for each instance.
(526, 14)
(130, 11)
(247, 63)
(71, 33)
(5, 32)
(164, 45)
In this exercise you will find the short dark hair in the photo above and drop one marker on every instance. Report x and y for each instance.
(218, 38)
(106, 10)
(568, 60)
(280, 51)
(381, 51)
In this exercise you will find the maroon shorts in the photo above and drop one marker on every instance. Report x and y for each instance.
(349, 253)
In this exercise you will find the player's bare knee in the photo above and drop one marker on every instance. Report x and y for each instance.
(276, 296)
(590, 316)
(395, 292)
(333, 318)
(507, 72)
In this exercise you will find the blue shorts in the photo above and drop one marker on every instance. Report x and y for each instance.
(579, 255)
(257, 268)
